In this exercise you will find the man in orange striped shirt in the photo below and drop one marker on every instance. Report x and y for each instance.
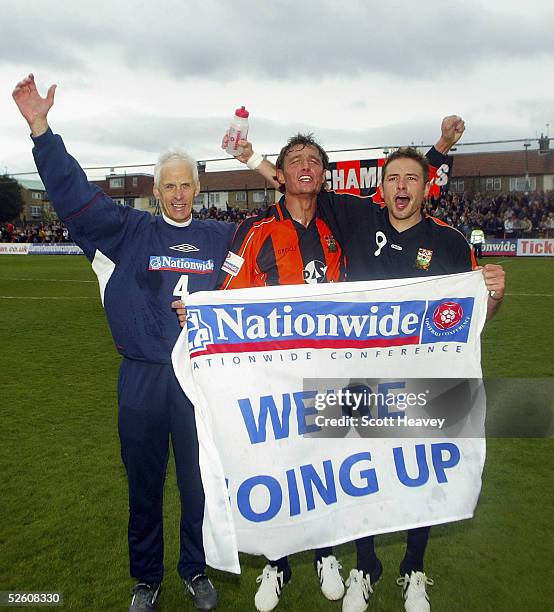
(290, 243)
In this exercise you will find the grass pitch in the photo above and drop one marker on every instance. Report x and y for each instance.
(63, 502)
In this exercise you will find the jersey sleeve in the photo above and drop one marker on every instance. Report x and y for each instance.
(239, 268)
(440, 170)
(95, 221)
(461, 253)
(343, 212)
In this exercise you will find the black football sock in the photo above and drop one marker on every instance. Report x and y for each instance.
(415, 550)
(367, 560)
(282, 565)
(320, 553)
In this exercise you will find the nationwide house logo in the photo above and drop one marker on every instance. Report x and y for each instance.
(181, 264)
(184, 248)
(319, 324)
(155, 263)
(448, 318)
(199, 334)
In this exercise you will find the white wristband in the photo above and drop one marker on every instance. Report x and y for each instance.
(255, 160)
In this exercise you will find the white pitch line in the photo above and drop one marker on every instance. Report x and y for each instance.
(49, 280)
(28, 297)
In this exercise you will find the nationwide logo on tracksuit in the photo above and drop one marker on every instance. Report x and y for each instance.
(181, 264)
(279, 326)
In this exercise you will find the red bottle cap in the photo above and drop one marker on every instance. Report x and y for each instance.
(242, 112)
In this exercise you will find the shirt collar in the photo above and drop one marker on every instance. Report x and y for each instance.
(284, 213)
(176, 223)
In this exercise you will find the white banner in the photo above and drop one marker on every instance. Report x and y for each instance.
(62, 248)
(279, 479)
(27, 248)
(14, 248)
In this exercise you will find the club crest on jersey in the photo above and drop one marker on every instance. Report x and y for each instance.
(331, 244)
(184, 248)
(423, 258)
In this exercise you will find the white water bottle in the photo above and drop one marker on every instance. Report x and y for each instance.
(237, 131)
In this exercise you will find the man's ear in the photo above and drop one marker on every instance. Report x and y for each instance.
(197, 190)
(427, 189)
(280, 176)
(380, 190)
(156, 192)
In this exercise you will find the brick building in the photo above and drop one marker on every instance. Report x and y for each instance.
(236, 188)
(36, 205)
(134, 190)
(242, 189)
(504, 171)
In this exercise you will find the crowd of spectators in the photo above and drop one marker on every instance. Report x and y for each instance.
(52, 232)
(513, 215)
(231, 215)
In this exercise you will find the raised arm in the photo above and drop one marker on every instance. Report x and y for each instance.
(32, 105)
(95, 221)
(255, 162)
(452, 128)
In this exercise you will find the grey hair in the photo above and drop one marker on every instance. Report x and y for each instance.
(175, 155)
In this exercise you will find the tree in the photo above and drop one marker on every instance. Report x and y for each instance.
(11, 201)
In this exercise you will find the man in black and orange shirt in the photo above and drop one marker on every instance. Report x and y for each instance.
(290, 243)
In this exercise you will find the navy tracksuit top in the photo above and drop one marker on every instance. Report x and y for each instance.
(137, 257)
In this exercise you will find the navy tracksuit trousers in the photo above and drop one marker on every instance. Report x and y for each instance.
(153, 408)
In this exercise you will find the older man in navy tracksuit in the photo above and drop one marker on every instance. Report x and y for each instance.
(142, 263)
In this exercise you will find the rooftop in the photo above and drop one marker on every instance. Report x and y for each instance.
(35, 185)
(502, 163)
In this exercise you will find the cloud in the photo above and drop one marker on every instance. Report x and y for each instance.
(125, 138)
(129, 138)
(539, 112)
(284, 40)
(53, 37)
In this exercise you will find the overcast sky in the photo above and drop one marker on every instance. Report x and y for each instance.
(135, 78)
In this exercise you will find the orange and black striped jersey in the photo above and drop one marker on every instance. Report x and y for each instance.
(274, 249)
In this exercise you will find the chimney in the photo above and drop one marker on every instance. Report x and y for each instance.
(544, 145)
